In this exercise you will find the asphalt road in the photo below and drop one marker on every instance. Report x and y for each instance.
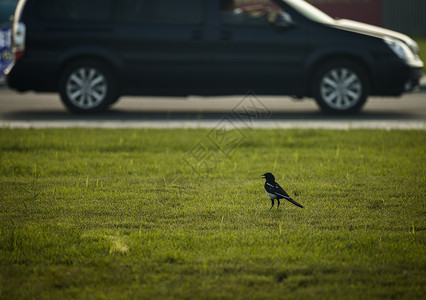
(46, 110)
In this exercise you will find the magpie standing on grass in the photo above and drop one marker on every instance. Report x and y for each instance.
(275, 191)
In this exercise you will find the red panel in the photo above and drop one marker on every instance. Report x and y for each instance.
(367, 11)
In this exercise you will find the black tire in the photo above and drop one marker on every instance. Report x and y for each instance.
(87, 86)
(340, 87)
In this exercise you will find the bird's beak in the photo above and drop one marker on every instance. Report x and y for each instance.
(263, 176)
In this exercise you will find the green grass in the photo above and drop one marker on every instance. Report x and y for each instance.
(154, 214)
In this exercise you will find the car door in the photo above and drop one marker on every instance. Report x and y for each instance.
(163, 45)
(253, 53)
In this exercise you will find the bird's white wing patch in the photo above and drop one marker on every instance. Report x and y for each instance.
(270, 184)
(271, 196)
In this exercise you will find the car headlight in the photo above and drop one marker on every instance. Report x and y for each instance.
(399, 48)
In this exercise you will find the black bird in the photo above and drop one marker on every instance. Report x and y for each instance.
(275, 191)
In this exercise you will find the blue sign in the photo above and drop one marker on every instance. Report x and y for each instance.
(5, 48)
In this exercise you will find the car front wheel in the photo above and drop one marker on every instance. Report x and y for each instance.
(87, 86)
(340, 87)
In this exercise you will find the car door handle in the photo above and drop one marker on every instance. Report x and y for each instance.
(225, 35)
(197, 34)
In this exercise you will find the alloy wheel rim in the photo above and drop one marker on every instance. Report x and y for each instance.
(86, 88)
(341, 88)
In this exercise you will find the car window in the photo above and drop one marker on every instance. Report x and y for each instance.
(161, 11)
(248, 12)
(75, 10)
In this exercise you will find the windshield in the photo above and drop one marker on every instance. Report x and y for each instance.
(310, 11)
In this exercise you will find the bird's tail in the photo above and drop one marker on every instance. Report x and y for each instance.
(292, 201)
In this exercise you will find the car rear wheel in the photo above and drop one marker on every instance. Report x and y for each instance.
(87, 86)
(340, 87)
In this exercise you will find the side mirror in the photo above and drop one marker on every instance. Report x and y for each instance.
(283, 20)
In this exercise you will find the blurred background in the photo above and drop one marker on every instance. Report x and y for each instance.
(404, 16)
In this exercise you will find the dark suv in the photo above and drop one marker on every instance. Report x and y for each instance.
(92, 52)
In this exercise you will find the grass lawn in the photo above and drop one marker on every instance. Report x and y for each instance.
(153, 214)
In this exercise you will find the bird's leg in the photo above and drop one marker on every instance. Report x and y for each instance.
(278, 206)
(272, 200)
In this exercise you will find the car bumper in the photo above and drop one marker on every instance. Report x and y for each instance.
(413, 82)
(394, 79)
(26, 75)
